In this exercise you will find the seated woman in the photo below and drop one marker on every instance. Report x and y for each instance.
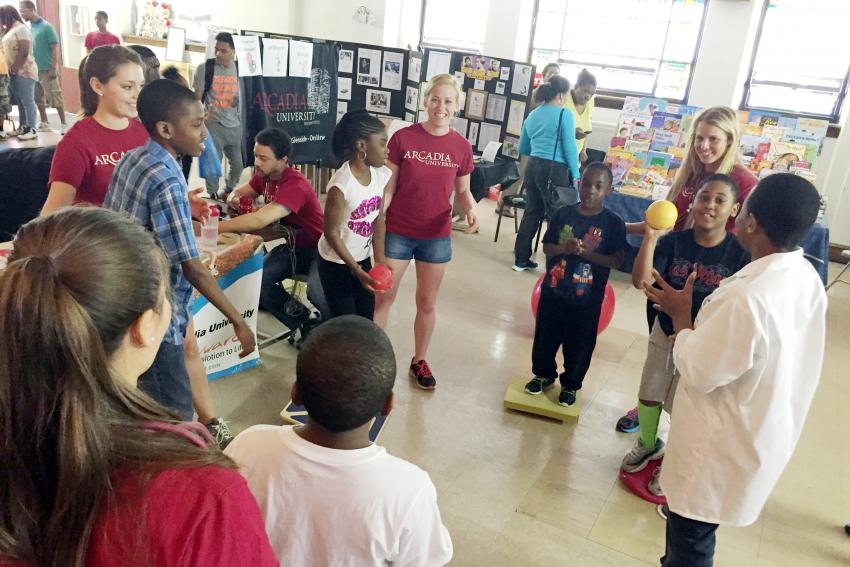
(96, 473)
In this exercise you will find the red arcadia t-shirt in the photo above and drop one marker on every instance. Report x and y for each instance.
(294, 192)
(88, 153)
(742, 176)
(427, 168)
(184, 518)
(97, 38)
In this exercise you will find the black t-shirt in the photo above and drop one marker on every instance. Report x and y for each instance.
(570, 277)
(678, 254)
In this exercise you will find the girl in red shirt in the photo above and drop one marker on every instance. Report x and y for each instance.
(428, 162)
(111, 77)
(95, 472)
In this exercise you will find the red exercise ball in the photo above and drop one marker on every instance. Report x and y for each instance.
(383, 275)
(606, 313)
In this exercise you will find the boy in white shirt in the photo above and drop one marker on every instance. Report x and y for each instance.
(329, 496)
(749, 366)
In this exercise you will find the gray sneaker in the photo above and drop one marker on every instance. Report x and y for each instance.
(538, 385)
(654, 486)
(637, 459)
(220, 431)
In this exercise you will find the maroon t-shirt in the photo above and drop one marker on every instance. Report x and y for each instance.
(294, 192)
(88, 153)
(742, 176)
(428, 166)
(187, 517)
(97, 38)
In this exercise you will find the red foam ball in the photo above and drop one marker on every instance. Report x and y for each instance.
(383, 275)
(606, 313)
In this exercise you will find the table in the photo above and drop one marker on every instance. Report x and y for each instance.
(216, 340)
(631, 209)
(504, 171)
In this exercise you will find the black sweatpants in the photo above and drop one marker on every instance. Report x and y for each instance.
(690, 543)
(571, 327)
(344, 292)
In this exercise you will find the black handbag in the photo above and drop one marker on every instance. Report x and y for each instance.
(556, 196)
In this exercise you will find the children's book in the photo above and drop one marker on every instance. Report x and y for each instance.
(630, 120)
(789, 122)
(787, 151)
(751, 130)
(614, 152)
(678, 152)
(636, 146)
(649, 105)
(812, 127)
(660, 192)
(743, 116)
(750, 144)
(618, 142)
(775, 133)
(631, 104)
(658, 160)
(619, 168)
(641, 133)
(666, 121)
(662, 139)
(813, 144)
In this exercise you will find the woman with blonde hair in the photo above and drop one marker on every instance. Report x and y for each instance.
(713, 147)
(428, 161)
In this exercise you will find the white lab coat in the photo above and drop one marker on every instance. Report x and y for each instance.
(749, 370)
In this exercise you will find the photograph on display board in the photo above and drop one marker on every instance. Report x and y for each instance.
(479, 84)
(378, 101)
(515, 117)
(344, 88)
(414, 70)
(409, 117)
(480, 67)
(393, 64)
(459, 125)
(346, 61)
(522, 79)
(472, 134)
(510, 147)
(341, 109)
(411, 99)
(496, 108)
(439, 63)
(460, 78)
(476, 104)
(423, 88)
(369, 67)
(422, 116)
(505, 73)
(500, 87)
(488, 133)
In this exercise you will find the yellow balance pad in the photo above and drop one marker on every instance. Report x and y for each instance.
(545, 404)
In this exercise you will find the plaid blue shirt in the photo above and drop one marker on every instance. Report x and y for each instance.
(148, 185)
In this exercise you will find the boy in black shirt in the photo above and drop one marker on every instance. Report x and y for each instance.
(582, 244)
(713, 254)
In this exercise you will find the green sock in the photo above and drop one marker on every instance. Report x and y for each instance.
(649, 416)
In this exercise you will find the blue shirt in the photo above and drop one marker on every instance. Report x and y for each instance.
(538, 136)
(148, 185)
(573, 278)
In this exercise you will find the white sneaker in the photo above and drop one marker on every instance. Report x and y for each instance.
(43, 127)
(637, 459)
(28, 134)
(654, 486)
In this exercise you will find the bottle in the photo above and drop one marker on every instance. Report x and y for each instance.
(209, 232)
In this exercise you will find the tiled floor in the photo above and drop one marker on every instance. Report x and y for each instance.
(519, 490)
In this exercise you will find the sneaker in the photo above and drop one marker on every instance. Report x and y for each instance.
(420, 372)
(523, 266)
(63, 128)
(28, 134)
(637, 459)
(15, 133)
(538, 385)
(654, 486)
(662, 511)
(220, 432)
(629, 422)
(222, 195)
(305, 329)
(43, 127)
(567, 397)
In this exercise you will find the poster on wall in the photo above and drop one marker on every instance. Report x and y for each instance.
(439, 63)
(248, 54)
(275, 57)
(480, 67)
(300, 58)
(515, 117)
(341, 109)
(369, 67)
(496, 108)
(414, 70)
(472, 135)
(346, 61)
(510, 147)
(522, 79)
(411, 99)
(344, 88)
(393, 64)
(305, 107)
(488, 133)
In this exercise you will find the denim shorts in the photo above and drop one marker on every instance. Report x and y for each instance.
(430, 250)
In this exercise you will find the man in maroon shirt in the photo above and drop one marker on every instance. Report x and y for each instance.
(101, 36)
(290, 200)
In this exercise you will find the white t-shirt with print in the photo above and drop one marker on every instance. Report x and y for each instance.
(354, 508)
(362, 204)
(11, 42)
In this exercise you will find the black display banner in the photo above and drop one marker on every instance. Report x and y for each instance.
(304, 107)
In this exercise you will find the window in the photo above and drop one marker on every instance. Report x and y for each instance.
(455, 24)
(642, 47)
(801, 58)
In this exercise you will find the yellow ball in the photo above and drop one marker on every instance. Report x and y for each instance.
(661, 215)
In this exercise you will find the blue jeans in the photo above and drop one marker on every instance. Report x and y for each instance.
(167, 381)
(24, 90)
(690, 543)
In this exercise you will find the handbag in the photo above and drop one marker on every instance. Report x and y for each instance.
(556, 196)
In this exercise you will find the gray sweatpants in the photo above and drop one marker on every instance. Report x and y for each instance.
(228, 142)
